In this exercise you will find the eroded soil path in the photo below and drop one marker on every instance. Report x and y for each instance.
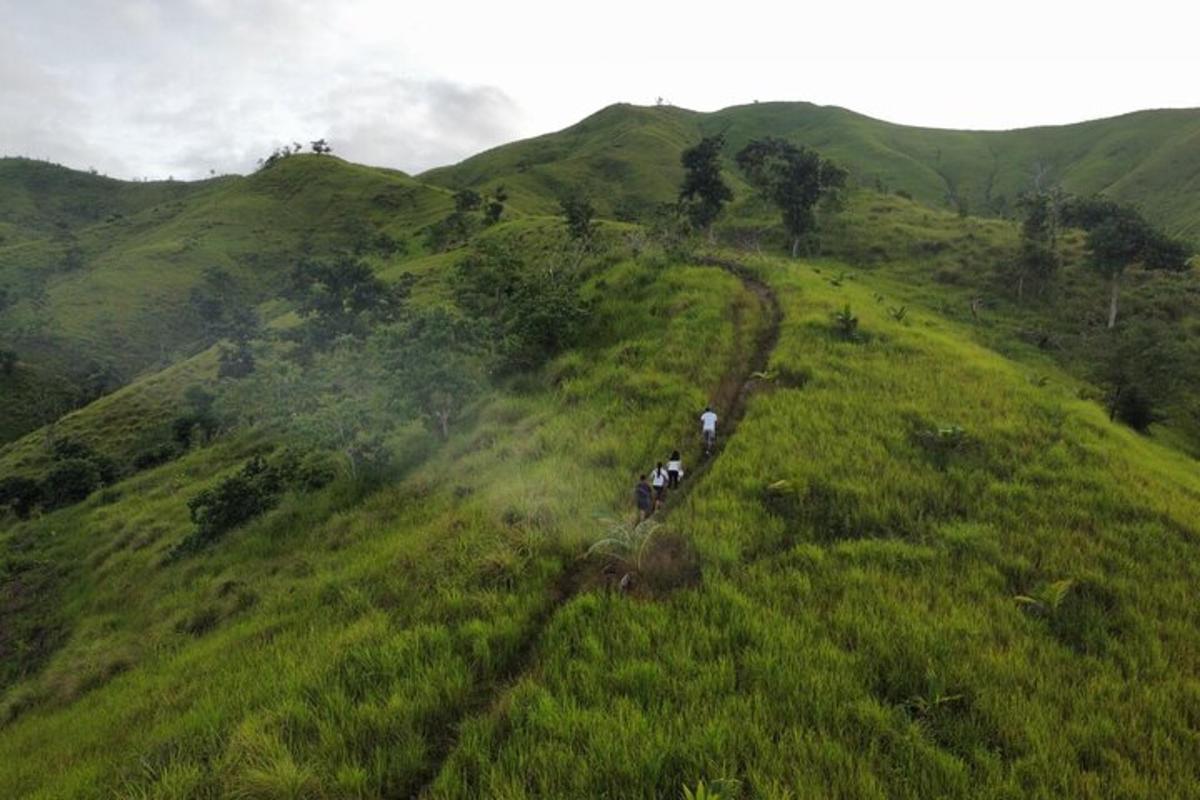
(731, 401)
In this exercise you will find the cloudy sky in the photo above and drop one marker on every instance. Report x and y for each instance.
(181, 87)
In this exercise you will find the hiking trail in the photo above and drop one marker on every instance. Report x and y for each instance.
(730, 402)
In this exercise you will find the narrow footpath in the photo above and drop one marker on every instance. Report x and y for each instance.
(731, 406)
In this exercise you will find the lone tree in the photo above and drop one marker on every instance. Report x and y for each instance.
(321, 147)
(794, 179)
(703, 193)
(467, 200)
(577, 212)
(493, 209)
(1038, 259)
(1118, 236)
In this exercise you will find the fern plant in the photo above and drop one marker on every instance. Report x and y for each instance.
(1048, 598)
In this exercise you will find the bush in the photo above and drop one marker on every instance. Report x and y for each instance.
(1134, 408)
(69, 482)
(234, 501)
(154, 456)
(8, 362)
(20, 494)
(253, 491)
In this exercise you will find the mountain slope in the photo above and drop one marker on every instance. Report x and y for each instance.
(1149, 158)
(856, 627)
(109, 294)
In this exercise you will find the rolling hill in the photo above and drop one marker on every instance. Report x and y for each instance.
(627, 156)
(100, 272)
(922, 562)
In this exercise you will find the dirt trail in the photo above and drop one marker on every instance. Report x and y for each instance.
(731, 401)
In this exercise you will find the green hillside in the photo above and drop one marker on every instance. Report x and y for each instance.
(628, 157)
(397, 555)
(108, 292)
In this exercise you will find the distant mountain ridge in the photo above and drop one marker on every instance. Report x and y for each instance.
(1148, 158)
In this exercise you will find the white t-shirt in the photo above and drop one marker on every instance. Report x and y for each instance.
(675, 466)
(658, 478)
(709, 420)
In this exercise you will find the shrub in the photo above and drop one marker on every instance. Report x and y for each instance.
(8, 362)
(253, 491)
(235, 500)
(1133, 407)
(21, 494)
(154, 456)
(69, 482)
(941, 442)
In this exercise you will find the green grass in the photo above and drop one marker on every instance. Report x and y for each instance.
(929, 565)
(857, 633)
(341, 637)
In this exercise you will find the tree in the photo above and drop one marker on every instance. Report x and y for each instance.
(343, 298)
(530, 314)
(704, 193)
(1038, 259)
(794, 179)
(235, 358)
(436, 359)
(467, 200)
(8, 362)
(70, 482)
(1139, 367)
(21, 494)
(577, 212)
(494, 208)
(321, 147)
(1118, 236)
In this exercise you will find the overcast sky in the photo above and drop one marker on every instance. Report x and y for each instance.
(181, 87)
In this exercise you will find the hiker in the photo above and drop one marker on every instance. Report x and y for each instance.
(708, 426)
(658, 479)
(644, 499)
(674, 470)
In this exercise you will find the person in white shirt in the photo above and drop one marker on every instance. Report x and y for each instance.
(708, 426)
(658, 479)
(674, 470)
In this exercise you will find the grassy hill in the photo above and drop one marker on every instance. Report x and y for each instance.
(628, 157)
(107, 292)
(923, 561)
(839, 605)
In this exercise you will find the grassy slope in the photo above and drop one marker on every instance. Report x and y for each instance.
(1151, 158)
(860, 636)
(379, 620)
(857, 635)
(126, 306)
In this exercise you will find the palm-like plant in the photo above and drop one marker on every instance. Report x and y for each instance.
(627, 542)
(845, 323)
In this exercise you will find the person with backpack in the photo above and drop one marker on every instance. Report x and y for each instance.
(644, 499)
(708, 428)
(658, 479)
(674, 470)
